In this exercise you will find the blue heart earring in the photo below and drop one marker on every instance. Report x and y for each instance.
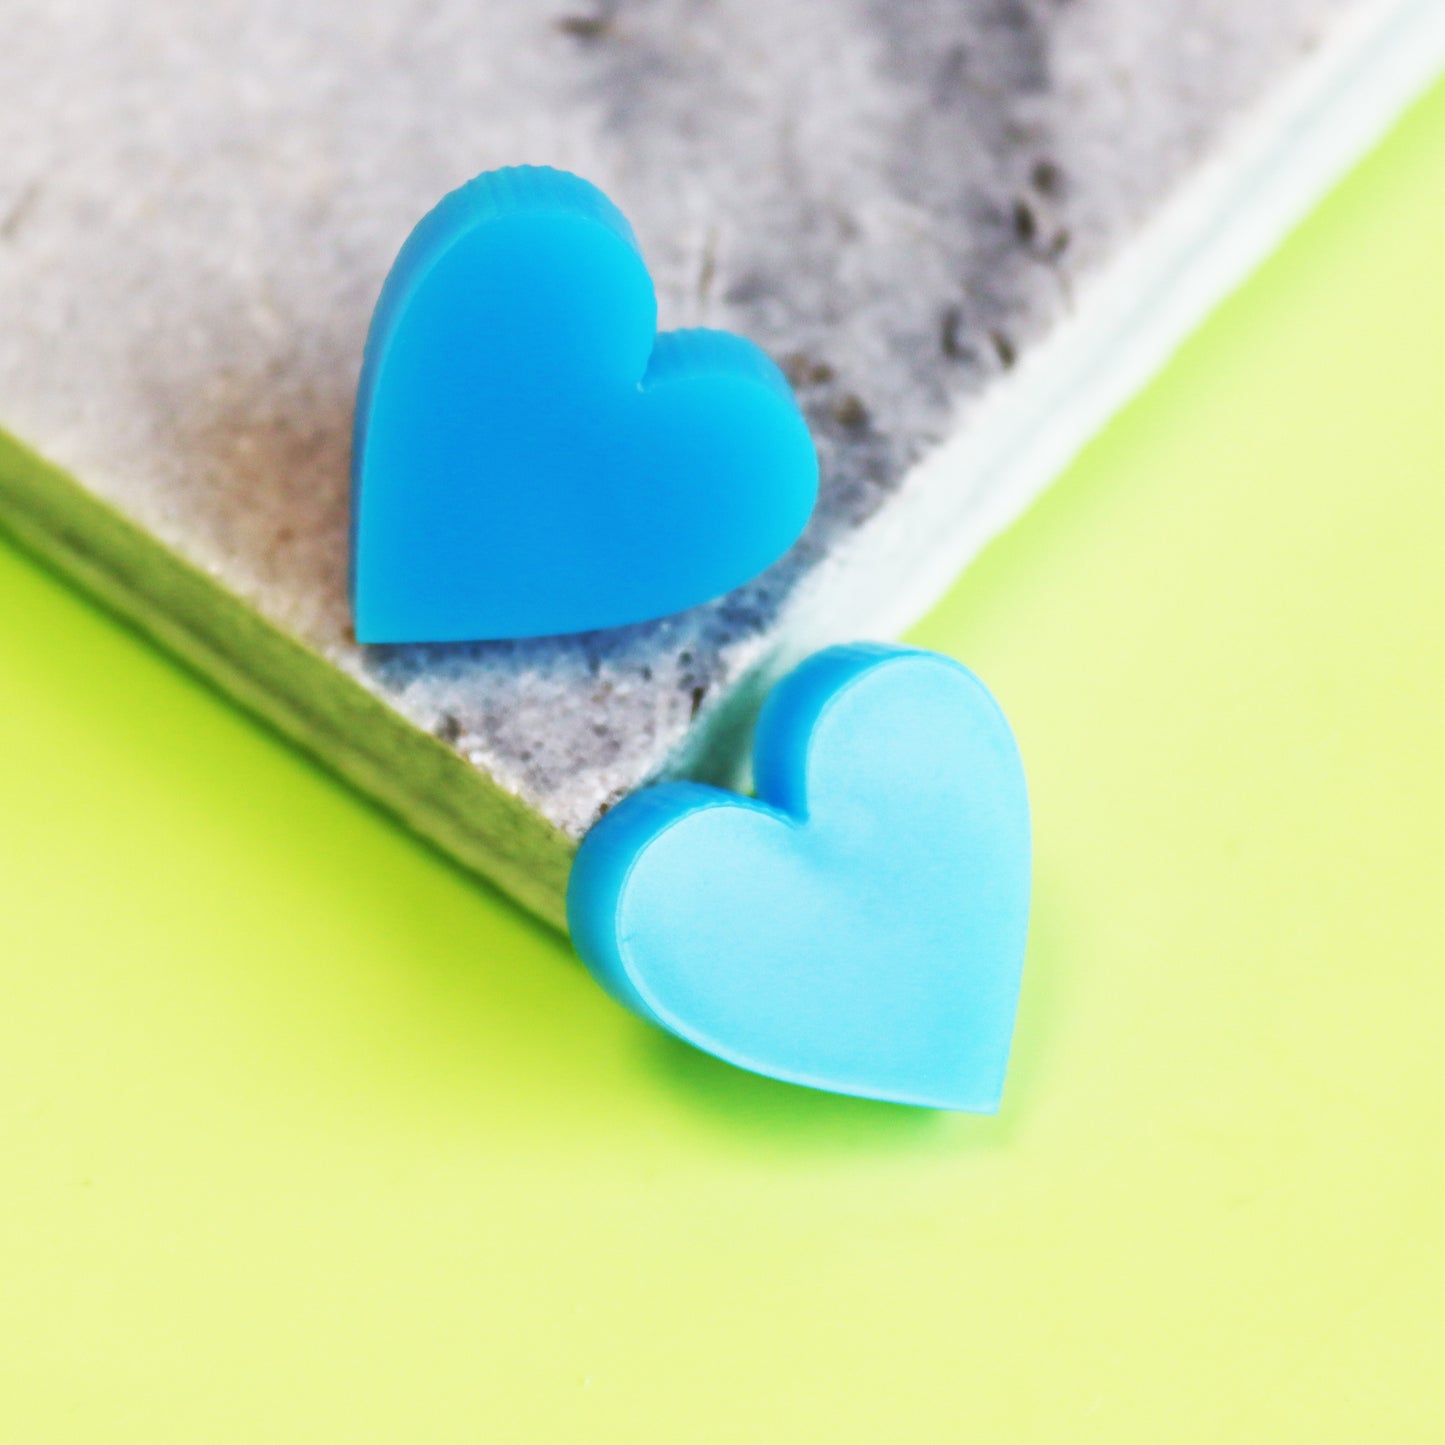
(530, 456)
(860, 926)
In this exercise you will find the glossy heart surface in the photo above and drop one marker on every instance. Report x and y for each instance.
(860, 926)
(530, 456)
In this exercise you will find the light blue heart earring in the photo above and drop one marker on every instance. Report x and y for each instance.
(860, 926)
(530, 456)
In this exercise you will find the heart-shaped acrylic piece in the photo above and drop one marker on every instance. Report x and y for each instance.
(530, 456)
(860, 926)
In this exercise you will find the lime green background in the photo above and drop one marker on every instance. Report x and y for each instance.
(305, 1136)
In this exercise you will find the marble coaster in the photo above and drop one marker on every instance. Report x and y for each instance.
(968, 231)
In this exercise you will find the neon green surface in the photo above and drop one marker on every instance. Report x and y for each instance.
(304, 1136)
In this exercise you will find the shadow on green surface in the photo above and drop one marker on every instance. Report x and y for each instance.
(763, 1109)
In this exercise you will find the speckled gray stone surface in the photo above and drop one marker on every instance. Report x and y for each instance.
(198, 203)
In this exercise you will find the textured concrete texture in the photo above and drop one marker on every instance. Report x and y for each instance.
(899, 201)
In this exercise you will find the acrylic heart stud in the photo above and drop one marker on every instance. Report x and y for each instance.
(530, 456)
(860, 926)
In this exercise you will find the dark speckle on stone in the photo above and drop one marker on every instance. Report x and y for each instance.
(585, 27)
(850, 412)
(1005, 349)
(950, 333)
(611, 801)
(1048, 178)
(802, 370)
(1025, 223)
(448, 728)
